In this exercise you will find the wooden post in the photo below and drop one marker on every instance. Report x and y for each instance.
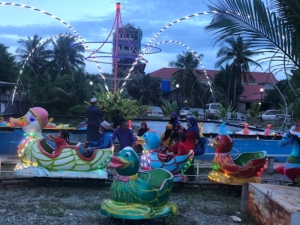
(197, 171)
(244, 197)
(270, 165)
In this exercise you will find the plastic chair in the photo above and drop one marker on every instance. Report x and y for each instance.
(18, 135)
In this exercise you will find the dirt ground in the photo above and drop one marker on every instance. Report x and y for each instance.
(80, 203)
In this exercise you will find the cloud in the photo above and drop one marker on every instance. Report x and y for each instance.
(94, 20)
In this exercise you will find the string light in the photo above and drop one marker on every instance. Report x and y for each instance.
(61, 21)
(156, 35)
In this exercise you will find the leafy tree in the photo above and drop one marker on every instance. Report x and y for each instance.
(238, 53)
(39, 54)
(8, 67)
(223, 111)
(187, 74)
(222, 83)
(78, 110)
(71, 91)
(254, 112)
(273, 30)
(168, 107)
(273, 97)
(144, 88)
(66, 57)
(109, 102)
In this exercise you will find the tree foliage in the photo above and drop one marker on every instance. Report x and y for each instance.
(187, 75)
(109, 102)
(223, 83)
(238, 52)
(144, 88)
(8, 67)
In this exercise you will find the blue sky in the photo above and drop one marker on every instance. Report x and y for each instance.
(93, 19)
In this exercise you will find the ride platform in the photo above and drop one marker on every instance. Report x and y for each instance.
(274, 204)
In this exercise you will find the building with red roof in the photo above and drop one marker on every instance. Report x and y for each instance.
(252, 90)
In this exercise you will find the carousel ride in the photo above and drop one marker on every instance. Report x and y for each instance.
(151, 157)
(139, 195)
(291, 169)
(247, 167)
(38, 158)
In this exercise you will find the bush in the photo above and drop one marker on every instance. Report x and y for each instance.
(78, 110)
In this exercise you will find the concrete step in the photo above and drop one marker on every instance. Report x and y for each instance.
(274, 204)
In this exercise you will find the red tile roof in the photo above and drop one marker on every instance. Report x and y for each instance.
(259, 77)
(251, 91)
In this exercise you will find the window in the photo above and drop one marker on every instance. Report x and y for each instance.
(2, 107)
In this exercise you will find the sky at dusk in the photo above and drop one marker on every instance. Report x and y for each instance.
(93, 19)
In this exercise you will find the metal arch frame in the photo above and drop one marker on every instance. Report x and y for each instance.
(26, 60)
(193, 52)
(63, 22)
(157, 34)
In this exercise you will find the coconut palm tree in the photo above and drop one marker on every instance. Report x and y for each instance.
(239, 54)
(66, 57)
(70, 91)
(272, 30)
(40, 55)
(144, 88)
(187, 64)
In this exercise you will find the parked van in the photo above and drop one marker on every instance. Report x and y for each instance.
(212, 108)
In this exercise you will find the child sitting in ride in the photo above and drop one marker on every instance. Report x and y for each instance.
(176, 147)
(104, 142)
(61, 139)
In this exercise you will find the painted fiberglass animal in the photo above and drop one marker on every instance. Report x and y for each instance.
(150, 160)
(291, 169)
(139, 195)
(36, 155)
(245, 168)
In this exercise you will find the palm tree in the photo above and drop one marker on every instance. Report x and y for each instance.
(187, 64)
(66, 57)
(265, 28)
(144, 88)
(70, 91)
(238, 52)
(40, 55)
(223, 83)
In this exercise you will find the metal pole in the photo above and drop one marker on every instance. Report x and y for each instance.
(177, 96)
(115, 58)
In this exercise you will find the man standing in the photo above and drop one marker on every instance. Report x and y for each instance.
(94, 115)
(117, 119)
(124, 135)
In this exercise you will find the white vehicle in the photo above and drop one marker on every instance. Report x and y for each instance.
(212, 108)
(198, 110)
(184, 112)
(154, 111)
(273, 115)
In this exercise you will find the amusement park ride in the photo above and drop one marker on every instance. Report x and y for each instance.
(151, 175)
(141, 188)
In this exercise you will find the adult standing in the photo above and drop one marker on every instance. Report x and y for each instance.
(117, 119)
(192, 135)
(93, 115)
(124, 135)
